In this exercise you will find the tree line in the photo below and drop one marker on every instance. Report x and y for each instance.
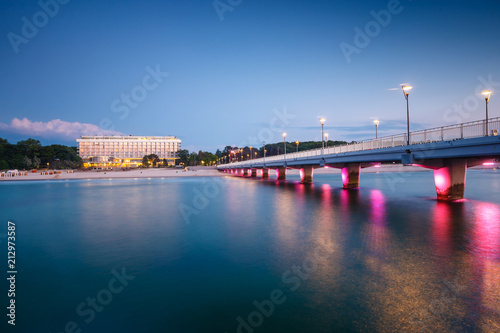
(31, 154)
(236, 154)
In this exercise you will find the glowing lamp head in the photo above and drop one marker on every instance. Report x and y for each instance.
(284, 135)
(322, 121)
(406, 88)
(376, 122)
(486, 94)
(296, 142)
(326, 136)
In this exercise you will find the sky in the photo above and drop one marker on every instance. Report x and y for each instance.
(240, 72)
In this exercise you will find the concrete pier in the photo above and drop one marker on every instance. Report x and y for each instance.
(254, 172)
(350, 175)
(450, 180)
(306, 174)
(265, 173)
(280, 173)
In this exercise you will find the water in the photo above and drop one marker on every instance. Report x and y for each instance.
(240, 255)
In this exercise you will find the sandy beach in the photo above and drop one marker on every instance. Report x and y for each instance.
(108, 174)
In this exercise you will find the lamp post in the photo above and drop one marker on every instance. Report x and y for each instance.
(322, 121)
(250, 152)
(376, 122)
(486, 95)
(297, 143)
(284, 143)
(326, 140)
(406, 90)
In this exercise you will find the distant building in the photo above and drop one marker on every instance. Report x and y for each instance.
(126, 151)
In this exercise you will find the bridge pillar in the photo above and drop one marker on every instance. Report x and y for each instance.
(450, 179)
(350, 175)
(280, 173)
(254, 172)
(265, 173)
(245, 172)
(306, 174)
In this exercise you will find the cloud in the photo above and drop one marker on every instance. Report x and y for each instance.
(56, 128)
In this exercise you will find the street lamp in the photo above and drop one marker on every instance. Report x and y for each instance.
(406, 90)
(284, 142)
(250, 152)
(322, 121)
(486, 95)
(297, 143)
(241, 154)
(326, 140)
(376, 122)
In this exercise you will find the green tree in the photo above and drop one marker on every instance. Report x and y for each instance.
(36, 162)
(145, 161)
(27, 162)
(183, 156)
(4, 165)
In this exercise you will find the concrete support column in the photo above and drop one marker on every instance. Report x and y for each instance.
(281, 173)
(306, 174)
(254, 172)
(265, 173)
(450, 179)
(245, 172)
(350, 175)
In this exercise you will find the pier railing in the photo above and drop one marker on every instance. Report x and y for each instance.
(467, 130)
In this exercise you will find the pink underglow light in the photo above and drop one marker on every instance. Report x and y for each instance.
(345, 176)
(442, 180)
(301, 175)
(377, 166)
(489, 163)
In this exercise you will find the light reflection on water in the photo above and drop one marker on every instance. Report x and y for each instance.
(397, 260)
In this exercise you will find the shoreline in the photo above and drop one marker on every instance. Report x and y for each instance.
(195, 172)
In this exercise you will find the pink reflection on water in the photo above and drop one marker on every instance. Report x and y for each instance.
(486, 232)
(326, 195)
(378, 235)
(441, 229)
(486, 248)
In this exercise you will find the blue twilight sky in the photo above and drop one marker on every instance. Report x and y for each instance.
(240, 71)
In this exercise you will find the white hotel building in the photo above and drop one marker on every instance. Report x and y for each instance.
(126, 151)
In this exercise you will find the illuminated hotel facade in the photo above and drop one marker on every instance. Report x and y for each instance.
(126, 151)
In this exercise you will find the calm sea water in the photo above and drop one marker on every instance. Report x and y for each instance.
(239, 255)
